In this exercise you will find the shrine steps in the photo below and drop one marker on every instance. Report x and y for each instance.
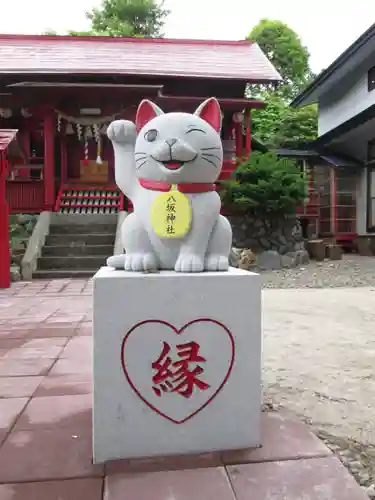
(76, 250)
(55, 274)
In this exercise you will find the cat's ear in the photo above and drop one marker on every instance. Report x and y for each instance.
(210, 112)
(147, 110)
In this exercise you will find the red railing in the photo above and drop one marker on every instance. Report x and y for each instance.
(25, 196)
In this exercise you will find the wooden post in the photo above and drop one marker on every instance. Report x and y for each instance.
(49, 161)
(248, 133)
(239, 141)
(64, 160)
(334, 209)
(4, 228)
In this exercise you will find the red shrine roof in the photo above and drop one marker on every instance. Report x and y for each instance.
(31, 54)
(6, 137)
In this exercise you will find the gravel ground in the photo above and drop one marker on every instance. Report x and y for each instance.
(352, 271)
(319, 364)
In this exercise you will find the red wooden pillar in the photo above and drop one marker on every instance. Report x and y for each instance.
(49, 161)
(4, 228)
(248, 133)
(64, 160)
(239, 138)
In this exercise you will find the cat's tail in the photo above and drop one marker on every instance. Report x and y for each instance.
(116, 261)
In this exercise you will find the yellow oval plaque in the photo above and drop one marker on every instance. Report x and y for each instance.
(171, 214)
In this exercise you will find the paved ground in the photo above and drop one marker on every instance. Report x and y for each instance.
(319, 357)
(352, 271)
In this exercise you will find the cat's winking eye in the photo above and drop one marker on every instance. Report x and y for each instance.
(151, 135)
(195, 130)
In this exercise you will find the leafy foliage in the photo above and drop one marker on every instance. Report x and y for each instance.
(266, 186)
(129, 18)
(284, 49)
(278, 125)
(126, 18)
(298, 128)
(266, 122)
(20, 230)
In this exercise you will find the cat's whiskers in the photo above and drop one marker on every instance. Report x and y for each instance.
(212, 155)
(138, 167)
(209, 161)
(209, 149)
(140, 153)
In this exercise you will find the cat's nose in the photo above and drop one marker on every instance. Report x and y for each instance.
(171, 142)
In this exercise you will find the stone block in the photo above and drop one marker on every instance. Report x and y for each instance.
(265, 243)
(269, 260)
(282, 240)
(15, 273)
(288, 261)
(364, 246)
(316, 249)
(177, 363)
(334, 252)
(302, 257)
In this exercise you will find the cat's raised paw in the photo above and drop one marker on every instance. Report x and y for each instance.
(216, 263)
(122, 132)
(189, 263)
(140, 262)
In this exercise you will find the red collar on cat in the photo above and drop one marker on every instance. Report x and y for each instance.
(183, 188)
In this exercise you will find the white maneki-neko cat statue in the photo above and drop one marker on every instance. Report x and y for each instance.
(167, 164)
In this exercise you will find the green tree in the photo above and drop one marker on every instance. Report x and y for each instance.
(285, 50)
(133, 17)
(266, 121)
(127, 18)
(278, 125)
(266, 187)
(298, 128)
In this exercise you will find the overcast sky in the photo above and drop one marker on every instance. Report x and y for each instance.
(327, 27)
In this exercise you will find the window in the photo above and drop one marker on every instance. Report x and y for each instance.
(371, 79)
(346, 200)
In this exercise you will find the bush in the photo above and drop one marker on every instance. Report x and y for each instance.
(20, 229)
(266, 186)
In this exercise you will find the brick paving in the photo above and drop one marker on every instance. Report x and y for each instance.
(45, 423)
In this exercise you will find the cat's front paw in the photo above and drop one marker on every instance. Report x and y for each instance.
(140, 262)
(122, 132)
(116, 261)
(189, 263)
(216, 263)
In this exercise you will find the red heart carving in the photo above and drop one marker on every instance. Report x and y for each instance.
(132, 370)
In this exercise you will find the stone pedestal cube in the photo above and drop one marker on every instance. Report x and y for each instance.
(177, 363)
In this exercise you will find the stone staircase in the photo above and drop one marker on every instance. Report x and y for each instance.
(76, 250)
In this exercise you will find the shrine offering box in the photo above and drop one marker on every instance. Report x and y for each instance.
(177, 363)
